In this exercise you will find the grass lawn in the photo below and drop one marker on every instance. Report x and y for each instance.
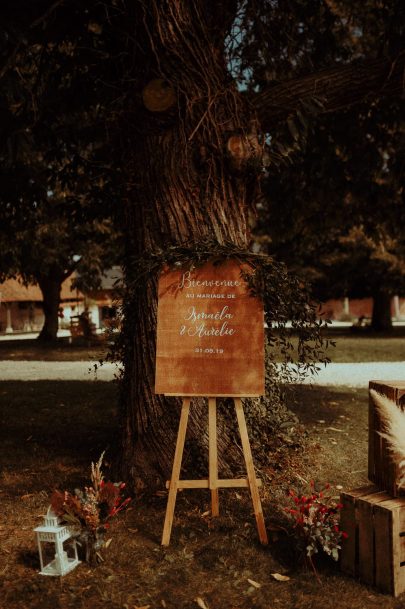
(51, 431)
(367, 346)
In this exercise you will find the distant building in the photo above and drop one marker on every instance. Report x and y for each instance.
(21, 307)
(102, 303)
(345, 309)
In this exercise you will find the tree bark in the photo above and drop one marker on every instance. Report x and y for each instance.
(51, 288)
(381, 320)
(184, 193)
(335, 89)
(184, 189)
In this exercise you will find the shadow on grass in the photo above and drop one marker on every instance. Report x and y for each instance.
(49, 433)
(53, 426)
(311, 403)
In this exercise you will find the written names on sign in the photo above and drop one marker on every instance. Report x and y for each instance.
(198, 325)
(210, 333)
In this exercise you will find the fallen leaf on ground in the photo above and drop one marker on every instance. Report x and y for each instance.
(205, 514)
(201, 603)
(279, 577)
(253, 583)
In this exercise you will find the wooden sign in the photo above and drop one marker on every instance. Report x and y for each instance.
(210, 333)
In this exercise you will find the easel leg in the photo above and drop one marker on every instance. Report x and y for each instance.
(213, 455)
(178, 455)
(254, 491)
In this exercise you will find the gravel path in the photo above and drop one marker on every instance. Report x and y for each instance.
(56, 371)
(350, 375)
(358, 375)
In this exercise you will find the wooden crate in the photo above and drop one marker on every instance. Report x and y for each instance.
(381, 468)
(374, 551)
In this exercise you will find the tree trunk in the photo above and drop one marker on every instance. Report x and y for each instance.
(50, 288)
(381, 317)
(185, 192)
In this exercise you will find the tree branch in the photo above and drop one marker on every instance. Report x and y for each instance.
(9, 64)
(336, 88)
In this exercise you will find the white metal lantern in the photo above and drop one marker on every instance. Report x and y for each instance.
(54, 532)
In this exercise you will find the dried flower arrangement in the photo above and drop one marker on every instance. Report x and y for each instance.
(393, 419)
(315, 519)
(88, 511)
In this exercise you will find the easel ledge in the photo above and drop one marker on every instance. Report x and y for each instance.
(213, 482)
(216, 395)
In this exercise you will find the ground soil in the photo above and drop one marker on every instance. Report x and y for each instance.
(51, 431)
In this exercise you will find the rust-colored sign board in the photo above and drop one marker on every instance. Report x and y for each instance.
(210, 333)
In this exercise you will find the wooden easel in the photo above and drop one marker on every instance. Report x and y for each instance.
(213, 483)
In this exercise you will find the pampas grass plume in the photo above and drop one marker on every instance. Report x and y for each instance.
(393, 420)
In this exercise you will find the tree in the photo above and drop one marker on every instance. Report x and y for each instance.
(193, 144)
(57, 191)
(345, 195)
(344, 187)
(52, 242)
(199, 193)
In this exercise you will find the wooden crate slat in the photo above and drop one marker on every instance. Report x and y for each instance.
(348, 523)
(374, 443)
(384, 576)
(402, 520)
(366, 541)
(401, 548)
(375, 549)
(398, 583)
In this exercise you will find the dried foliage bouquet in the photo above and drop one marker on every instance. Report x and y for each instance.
(89, 510)
(316, 519)
(393, 419)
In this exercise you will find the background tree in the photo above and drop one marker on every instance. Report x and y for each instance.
(334, 211)
(57, 188)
